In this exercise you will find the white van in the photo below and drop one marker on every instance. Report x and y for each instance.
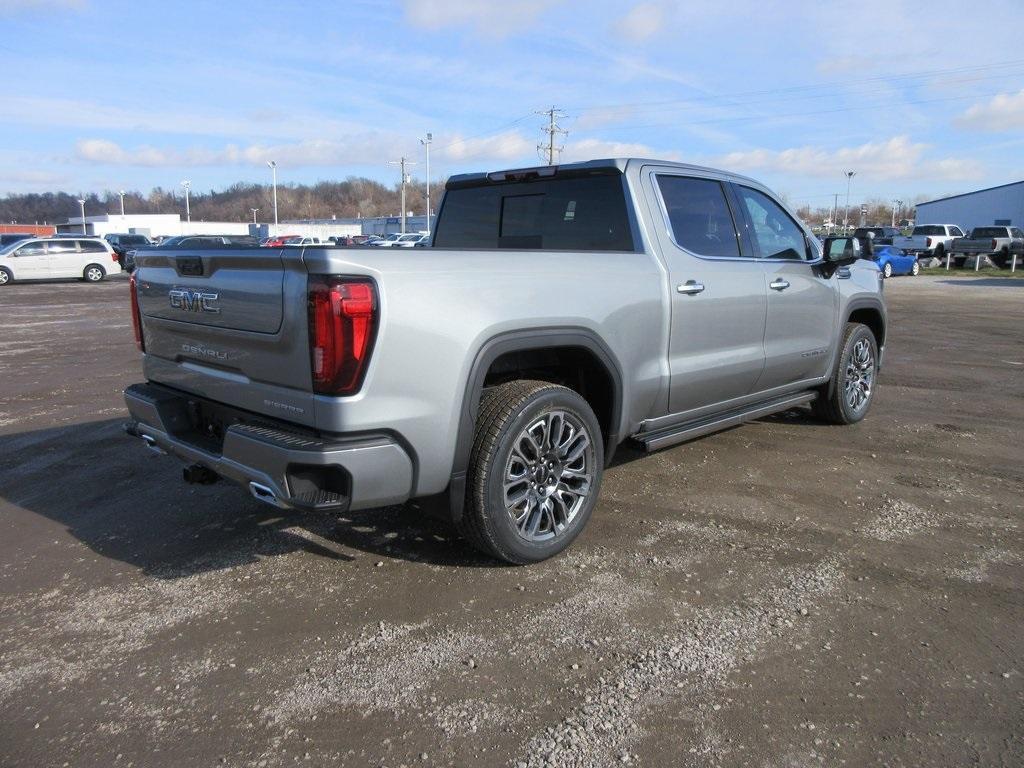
(42, 258)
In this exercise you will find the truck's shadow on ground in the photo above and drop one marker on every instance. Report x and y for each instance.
(128, 504)
(986, 282)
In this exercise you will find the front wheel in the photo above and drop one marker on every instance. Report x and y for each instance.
(848, 395)
(6, 278)
(887, 270)
(93, 273)
(534, 471)
(916, 269)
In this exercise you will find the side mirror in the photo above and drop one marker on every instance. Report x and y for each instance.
(840, 251)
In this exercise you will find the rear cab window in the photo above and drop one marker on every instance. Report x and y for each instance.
(570, 213)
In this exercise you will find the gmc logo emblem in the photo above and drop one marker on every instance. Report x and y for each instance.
(193, 301)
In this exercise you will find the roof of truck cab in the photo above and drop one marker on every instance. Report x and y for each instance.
(619, 164)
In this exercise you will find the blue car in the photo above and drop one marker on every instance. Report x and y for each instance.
(894, 261)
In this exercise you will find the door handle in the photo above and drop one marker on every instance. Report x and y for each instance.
(778, 284)
(690, 287)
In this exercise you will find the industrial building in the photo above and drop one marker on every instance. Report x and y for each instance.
(171, 224)
(995, 206)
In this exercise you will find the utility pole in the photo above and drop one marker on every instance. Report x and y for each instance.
(81, 204)
(188, 211)
(846, 217)
(426, 146)
(835, 212)
(254, 212)
(273, 169)
(402, 162)
(897, 206)
(552, 128)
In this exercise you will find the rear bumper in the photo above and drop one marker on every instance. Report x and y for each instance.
(286, 468)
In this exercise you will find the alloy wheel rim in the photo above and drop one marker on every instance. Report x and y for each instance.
(548, 475)
(3, 278)
(94, 274)
(860, 375)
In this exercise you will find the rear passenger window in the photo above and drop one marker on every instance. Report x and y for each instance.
(62, 246)
(776, 234)
(699, 215)
(91, 246)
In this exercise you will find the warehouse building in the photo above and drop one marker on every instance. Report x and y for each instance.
(995, 206)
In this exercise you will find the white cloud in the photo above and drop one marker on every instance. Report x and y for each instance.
(897, 158)
(354, 150)
(1004, 112)
(643, 21)
(593, 149)
(14, 6)
(492, 18)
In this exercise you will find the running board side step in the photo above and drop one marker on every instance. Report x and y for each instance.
(680, 433)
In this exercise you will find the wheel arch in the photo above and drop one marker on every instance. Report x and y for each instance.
(530, 341)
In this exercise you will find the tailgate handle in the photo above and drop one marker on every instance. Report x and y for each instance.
(189, 265)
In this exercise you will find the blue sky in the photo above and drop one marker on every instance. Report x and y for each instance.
(131, 95)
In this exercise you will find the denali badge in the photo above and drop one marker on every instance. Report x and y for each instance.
(193, 301)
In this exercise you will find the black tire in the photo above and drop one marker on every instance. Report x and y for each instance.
(832, 404)
(6, 278)
(94, 273)
(887, 270)
(506, 411)
(916, 269)
(940, 253)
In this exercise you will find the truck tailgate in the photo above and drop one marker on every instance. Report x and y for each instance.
(215, 324)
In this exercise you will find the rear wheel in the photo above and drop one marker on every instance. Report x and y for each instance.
(940, 253)
(847, 397)
(93, 273)
(6, 278)
(534, 472)
(887, 270)
(916, 269)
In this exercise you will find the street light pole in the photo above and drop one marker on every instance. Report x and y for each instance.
(846, 216)
(81, 204)
(254, 212)
(426, 146)
(272, 164)
(188, 211)
(897, 207)
(121, 194)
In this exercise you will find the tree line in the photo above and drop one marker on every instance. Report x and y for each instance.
(344, 199)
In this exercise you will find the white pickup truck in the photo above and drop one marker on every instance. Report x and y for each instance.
(998, 243)
(929, 240)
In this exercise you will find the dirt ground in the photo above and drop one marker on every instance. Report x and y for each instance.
(782, 594)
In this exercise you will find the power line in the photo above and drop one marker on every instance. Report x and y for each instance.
(552, 128)
(799, 88)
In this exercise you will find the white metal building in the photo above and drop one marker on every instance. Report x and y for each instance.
(995, 206)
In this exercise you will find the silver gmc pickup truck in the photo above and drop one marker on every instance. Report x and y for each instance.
(559, 311)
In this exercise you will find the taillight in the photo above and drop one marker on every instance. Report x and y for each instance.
(113, 255)
(136, 315)
(342, 326)
(928, 242)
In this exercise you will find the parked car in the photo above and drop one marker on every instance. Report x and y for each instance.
(998, 243)
(895, 261)
(302, 242)
(194, 241)
(7, 238)
(277, 241)
(881, 235)
(929, 240)
(387, 241)
(410, 241)
(41, 258)
(123, 243)
(580, 306)
(363, 239)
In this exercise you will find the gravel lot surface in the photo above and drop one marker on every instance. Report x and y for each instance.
(782, 594)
